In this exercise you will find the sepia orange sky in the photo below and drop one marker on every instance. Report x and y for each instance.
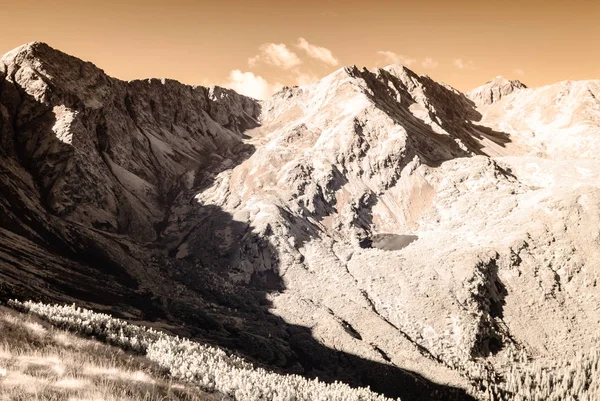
(256, 46)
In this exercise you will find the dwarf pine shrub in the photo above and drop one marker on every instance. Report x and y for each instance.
(571, 377)
(574, 376)
(209, 367)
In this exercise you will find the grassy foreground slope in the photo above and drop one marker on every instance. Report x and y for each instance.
(220, 374)
(41, 362)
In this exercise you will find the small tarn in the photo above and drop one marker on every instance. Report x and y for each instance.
(388, 242)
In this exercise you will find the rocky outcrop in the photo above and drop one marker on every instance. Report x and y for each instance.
(494, 90)
(375, 227)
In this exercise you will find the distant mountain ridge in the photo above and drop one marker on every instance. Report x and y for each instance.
(375, 227)
(494, 90)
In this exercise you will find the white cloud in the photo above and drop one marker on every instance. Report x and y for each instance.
(518, 71)
(275, 54)
(429, 63)
(248, 84)
(393, 58)
(317, 52)
(463, 65)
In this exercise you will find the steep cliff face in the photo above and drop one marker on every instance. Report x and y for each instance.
(107, 154)
(417, 234)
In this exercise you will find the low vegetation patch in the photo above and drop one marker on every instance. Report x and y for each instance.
(40, 362)
(571, 377)
(564, 376)
(210, 368)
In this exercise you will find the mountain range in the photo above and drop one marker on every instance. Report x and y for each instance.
(375, 227)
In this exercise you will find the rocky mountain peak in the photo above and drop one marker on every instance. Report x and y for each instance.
(47, 62)
(29, 50)
(494, 90)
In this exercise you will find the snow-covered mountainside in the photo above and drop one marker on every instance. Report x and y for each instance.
(376, 227)
(558, 122)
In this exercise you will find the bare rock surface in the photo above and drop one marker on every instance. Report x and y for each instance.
(375, 227)
(494, 90)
